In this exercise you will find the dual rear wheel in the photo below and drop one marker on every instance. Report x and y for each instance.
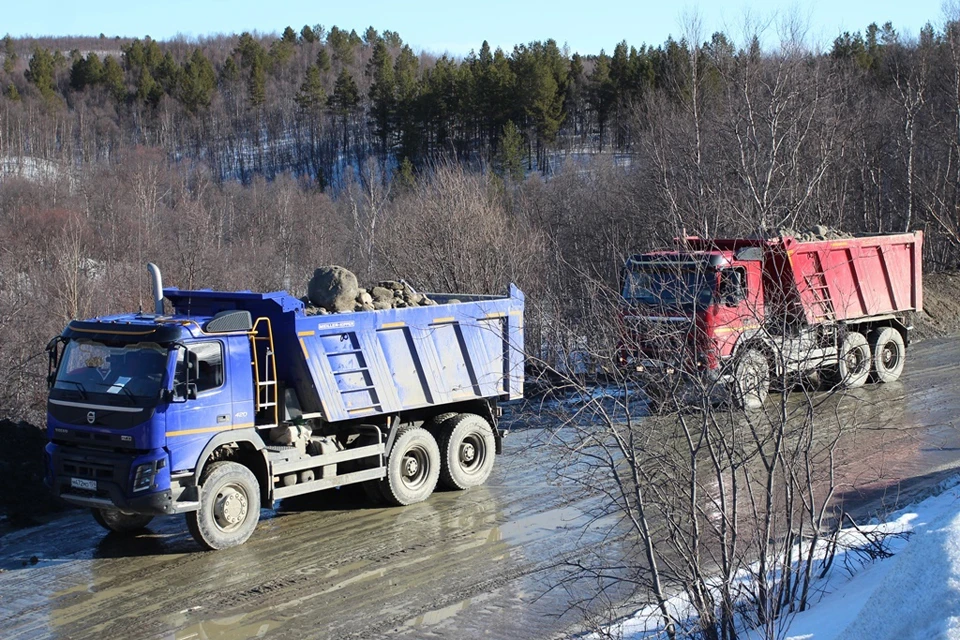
(460, 457)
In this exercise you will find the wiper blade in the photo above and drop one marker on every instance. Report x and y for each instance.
(80, 388)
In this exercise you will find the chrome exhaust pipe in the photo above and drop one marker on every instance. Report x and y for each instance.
(157, 288)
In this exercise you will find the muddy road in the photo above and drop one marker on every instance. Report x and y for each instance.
(461, 565)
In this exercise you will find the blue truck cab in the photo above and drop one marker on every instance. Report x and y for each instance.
(238, 399)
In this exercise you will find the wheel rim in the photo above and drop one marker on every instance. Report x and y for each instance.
(230, 508)
(855, 360)
(890, 356)
(415, 467)
(472, 453)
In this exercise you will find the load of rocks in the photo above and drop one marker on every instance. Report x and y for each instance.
(335, 289)
(813, 234)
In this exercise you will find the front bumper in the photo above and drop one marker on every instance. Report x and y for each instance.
(102, 479)
(663, 381)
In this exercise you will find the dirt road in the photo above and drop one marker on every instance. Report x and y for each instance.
(461, 565)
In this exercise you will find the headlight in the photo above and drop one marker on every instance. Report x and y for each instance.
(144, 476)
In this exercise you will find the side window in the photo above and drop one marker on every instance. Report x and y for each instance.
(206, 366)
(733, 286)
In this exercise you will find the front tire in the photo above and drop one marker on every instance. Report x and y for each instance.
(413, 467)
(229, 506)
(889, 353)
(752, 380)
(120, 522)
(467, 450)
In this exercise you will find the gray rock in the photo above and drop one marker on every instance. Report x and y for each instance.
(333, 288)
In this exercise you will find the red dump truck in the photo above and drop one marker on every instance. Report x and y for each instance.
(736, 315)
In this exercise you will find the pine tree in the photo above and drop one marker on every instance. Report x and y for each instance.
(601, 93)
(370, 36)
(346, 96)
(198, 83)
(307, 35)
(257, 84)
(510, 153)
(406, 71)
(382, 89)
(311, 98)
(12, 92)
(9, 55)
(323, 61)
(40, 72)
(113, 79)
(289, 36)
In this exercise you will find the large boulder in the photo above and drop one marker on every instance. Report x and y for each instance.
(333, 288)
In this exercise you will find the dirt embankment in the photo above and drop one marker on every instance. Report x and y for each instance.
(941, 306)
(23, 496)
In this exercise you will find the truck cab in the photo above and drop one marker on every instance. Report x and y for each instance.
(133, 401)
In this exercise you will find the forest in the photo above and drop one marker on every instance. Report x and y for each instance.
(245, 161)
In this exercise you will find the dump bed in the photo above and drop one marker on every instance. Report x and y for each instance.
(353, 365)
(852, 278)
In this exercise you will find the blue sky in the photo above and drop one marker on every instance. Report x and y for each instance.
(457, 27)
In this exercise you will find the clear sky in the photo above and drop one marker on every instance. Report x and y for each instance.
(457, 27)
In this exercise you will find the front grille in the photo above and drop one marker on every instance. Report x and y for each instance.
(89, 470)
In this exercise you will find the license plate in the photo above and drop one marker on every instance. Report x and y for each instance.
(80, 483)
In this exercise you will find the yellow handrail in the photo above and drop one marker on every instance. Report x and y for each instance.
(270, 365)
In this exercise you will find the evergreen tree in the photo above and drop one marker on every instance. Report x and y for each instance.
(406, 71)
(12, 92)
(382, 89)
(403, 176)
(341, 45)
(9, 55)
(602, 93)
(113, 79)
(346, 96)
(311, 97)
(370, 36)
(392, 39)
(323, 61)
(257, 84)
(510, 153)
(198, 83)
(289, 36)
(307, 35)
(40, 72)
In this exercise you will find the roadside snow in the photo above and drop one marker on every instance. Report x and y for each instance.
(914, 594)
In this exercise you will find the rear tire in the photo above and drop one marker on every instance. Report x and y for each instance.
(120, 522)
(229, 506)
(467, 451)
(889, 353)
(413, 467)
(752, 380)
(854, 361)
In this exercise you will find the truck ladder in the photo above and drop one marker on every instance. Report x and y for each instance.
(265, 371)
(821, 305)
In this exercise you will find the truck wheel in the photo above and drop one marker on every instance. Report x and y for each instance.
(752, 380)
(413, 467)
(467, 450)
(853, 366)
(120, 522)
(229, 506)
(889, 353)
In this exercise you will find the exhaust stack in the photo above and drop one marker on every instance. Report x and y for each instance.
(157, 288)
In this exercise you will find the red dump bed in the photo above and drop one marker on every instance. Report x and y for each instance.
(853, 278)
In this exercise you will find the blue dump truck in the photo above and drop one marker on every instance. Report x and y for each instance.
(237, 400)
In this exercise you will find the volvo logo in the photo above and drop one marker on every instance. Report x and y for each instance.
(91, 417)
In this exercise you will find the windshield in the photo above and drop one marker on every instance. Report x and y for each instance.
(673, 285)
(132, 371)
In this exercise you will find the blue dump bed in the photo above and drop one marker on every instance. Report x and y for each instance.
(352, 365)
